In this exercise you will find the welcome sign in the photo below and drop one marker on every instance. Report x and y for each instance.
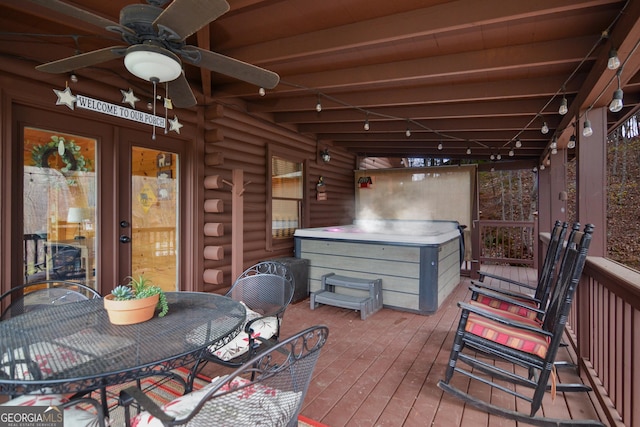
(104, 107)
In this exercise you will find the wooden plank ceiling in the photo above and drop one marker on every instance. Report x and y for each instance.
(465, 74)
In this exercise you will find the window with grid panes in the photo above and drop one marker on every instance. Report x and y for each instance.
(286, 196)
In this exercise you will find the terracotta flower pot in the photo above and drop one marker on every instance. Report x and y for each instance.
(131, 311)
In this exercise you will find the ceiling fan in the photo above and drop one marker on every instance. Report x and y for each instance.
(156, 39)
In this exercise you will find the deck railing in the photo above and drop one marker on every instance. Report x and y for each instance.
(605, 332)
(507, 242)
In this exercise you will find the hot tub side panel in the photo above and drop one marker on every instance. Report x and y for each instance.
(440, 274)
(410, 274)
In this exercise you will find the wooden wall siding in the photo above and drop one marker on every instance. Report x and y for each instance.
(414, 278)
(237, 140)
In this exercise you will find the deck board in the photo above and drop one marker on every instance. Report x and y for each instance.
(383, 371)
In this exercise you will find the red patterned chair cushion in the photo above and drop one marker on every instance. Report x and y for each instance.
(529, 342)
(511, 308)
(506, 314)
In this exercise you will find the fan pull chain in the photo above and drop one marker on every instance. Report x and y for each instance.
(166, 109)
(155, 88)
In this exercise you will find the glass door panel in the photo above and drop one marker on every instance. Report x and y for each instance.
(59, 210)
(154, 216)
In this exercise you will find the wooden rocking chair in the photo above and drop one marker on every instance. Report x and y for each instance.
(523, 304)
(523, 342)
(546, 273)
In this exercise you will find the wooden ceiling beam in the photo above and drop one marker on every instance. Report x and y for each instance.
(423, 71)
(507, 108)
(481, 91)
(438, 19)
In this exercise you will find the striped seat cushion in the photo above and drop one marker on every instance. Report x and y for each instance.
(529, 342)
(506, 306)
(506, 314)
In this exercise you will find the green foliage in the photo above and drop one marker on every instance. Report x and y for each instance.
(138, 288)
(72, 155)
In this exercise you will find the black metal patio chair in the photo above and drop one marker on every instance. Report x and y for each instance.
(267, 390)
(43, 293)
(266, 289)
(484, 335)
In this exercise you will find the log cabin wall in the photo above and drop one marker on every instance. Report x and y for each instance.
(219, 140)
(236, 140)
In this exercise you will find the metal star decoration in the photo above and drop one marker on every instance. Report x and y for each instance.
(129, 97)
(65, 97)
(175, 125)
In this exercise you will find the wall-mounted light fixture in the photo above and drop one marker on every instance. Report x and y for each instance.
(324, 154)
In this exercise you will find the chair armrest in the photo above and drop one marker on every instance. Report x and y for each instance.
(502, 295)
(131, 394)
(504, 279)
(468, 308)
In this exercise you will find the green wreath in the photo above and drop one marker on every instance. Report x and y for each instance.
(72, 156)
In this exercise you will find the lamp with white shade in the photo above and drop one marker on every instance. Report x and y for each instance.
(78, 216)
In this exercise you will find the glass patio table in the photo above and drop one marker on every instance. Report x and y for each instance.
(73, 348)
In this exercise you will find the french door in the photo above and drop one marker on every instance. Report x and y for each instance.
(99, 203)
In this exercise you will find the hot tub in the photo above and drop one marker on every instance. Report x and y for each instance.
(418, 261)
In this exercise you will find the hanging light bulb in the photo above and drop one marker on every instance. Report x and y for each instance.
(440, 146)
(554, 146)
(408, 132)
(614, 61)
(512, 153)
(518, 143)
(616, 103)
(73, 78)
(572, 142)
(492, 156)
(564, 109)
(542, 167)
(587, 131)
(366, 124)
(262, 92)
(469, 150)
(318, 106)
(499, 156)
(545, 128)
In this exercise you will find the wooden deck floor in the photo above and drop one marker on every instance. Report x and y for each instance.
(383, 371)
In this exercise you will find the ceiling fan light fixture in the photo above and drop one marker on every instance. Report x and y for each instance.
(149, 62)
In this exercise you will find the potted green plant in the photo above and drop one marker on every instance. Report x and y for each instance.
(135, 301)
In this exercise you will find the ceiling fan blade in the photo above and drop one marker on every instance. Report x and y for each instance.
(185, 17)
(76, 12)
(180, 94)
(83, 60)
(235, 68)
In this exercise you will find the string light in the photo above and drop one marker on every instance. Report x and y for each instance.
(616, 103)
(319, 105)
(518, 143)
(572, 142)
(468, 150)
(440, 146)
(564, 108)
(544, 129)
(587, 130)
(512, 153)
(614, 62)
(366, 123)
(262, 92)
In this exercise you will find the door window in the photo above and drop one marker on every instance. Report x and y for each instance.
(59, 212)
